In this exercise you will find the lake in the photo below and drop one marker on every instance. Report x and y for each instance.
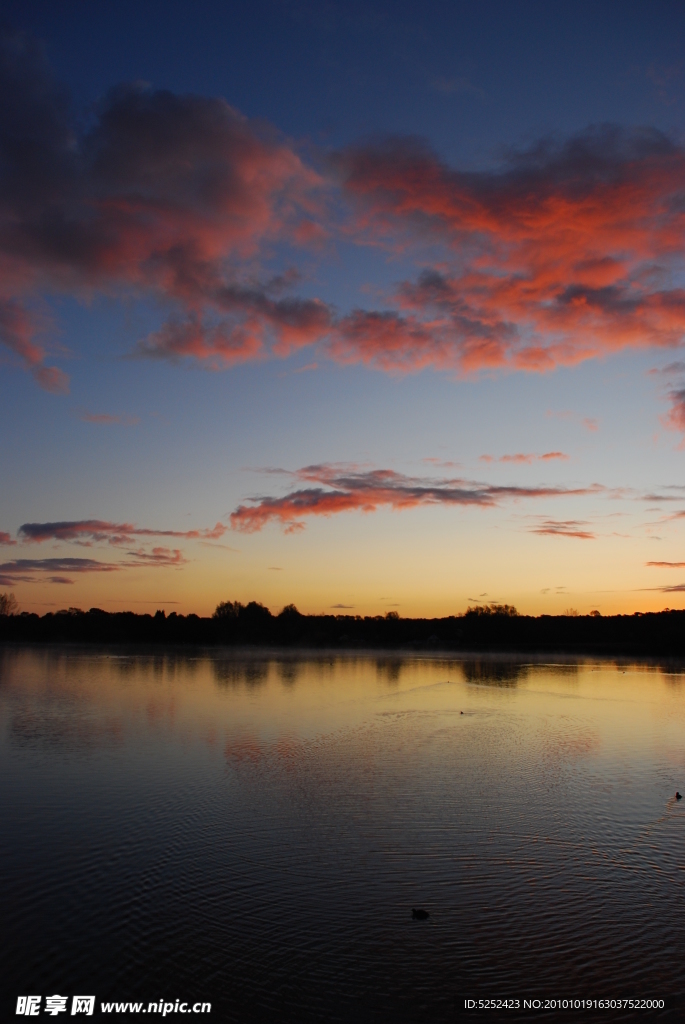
(253, 829)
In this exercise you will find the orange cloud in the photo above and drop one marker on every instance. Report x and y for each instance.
(520, 458)
(563, 528)
(350, 489)
(567, 252)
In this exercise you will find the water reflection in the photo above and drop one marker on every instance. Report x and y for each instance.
(569, 671)
(71, 733)
(255, 830)
(235, 674)
(289, 671)
(389, 669)
(495, 672)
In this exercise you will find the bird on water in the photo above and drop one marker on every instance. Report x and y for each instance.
(419, 915)
(678, 796)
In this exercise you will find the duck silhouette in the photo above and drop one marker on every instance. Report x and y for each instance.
(678, 796)
(419, 915)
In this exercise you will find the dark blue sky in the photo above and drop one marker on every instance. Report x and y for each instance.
(471, 77)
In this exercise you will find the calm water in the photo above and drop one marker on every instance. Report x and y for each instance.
(254, 831)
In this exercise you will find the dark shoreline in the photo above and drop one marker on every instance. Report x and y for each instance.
(655, 634)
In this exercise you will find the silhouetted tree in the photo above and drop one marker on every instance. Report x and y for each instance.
(493, 609)
(289, 613)
(8, 604)
(227, 610)
(255, 613)
(491, 628)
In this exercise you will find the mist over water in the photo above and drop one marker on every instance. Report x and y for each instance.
(253, 830)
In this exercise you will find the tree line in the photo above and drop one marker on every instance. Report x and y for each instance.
(494, 627)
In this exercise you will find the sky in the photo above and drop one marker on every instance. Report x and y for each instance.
(364, 307)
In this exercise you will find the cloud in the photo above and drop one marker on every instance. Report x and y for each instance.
(213, 544)
(563, 528)
(667, 565)
(6, 539)
(443, 463)
(43, 570)
(158, 556)
(664, 79)
(521, 458)
(342, 606)
(106, 419)
(17, 330)
(549, 456)
(677, 367)
(673, 516)
(675, 418)
(589, 422)
(30, 570)
(343, 488)
(392, 342)
(163, 195)
(88, 531)
(455, 86)
(567, 251)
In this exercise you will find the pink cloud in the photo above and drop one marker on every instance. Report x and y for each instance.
(442, 463)
(563, 528)
(351, 489)
(675, 419)
(6, 539)
(106, 419)
(565, 253)
(525, 459)
(518, 459)
(17, 333)
(163, 195)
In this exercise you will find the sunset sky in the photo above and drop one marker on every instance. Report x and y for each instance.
(361, 306)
